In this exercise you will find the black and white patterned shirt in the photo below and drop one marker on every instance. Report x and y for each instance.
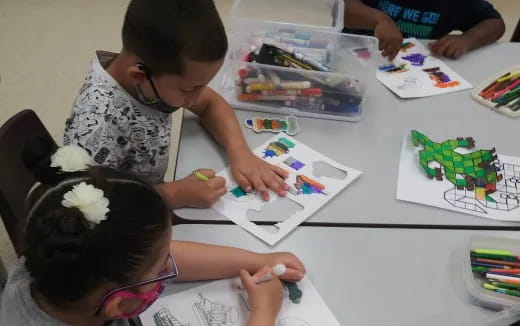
(116, 129)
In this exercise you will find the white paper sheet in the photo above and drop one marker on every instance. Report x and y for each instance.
(221, 303)
(414, 186)
(415, 82)
(236, 208)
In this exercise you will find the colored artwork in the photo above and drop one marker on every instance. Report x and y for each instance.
(474, 181)
(294, 163)
(406, 46)
(441, 79)
(417, 59)
(416, 73)
(307, 186)
(293, 292)
(279, 147)
(392, 69)
(225, 303)
(238, 192)
(288, 125)
(313, 180)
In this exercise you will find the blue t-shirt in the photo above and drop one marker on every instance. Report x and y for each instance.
(431, 19)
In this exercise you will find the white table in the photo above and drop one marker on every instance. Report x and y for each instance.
(373, 145)
(373, 276)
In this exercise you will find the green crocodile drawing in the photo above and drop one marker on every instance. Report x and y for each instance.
(476, 171)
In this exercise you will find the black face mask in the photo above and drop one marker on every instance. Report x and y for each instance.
(158, 103)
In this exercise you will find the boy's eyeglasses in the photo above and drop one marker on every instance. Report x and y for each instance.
(170, 271)
(158, 103)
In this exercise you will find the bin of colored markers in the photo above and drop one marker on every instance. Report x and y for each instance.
(295, 70)
(501, 92)
(484, 273)
(326, 15)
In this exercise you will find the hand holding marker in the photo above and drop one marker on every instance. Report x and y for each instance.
(277, 270)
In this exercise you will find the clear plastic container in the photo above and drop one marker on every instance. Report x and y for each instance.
(326, 15)
(336, 94)
(486, 298)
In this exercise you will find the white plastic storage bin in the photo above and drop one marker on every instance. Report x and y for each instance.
(337, 94)
(325, 15)
(473, 283)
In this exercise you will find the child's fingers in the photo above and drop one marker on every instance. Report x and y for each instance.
(280, 171)
(217, 182)
(262, 272)
(210, 173)
(243, 182)
(292, 275)
(247, 280)
(259, 185)
(276, 184)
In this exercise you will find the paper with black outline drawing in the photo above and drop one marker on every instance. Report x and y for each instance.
(414, 186)
(237, 210)
(311, 311)
(415, 82)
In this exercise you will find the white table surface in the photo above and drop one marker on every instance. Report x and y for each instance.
(372, 276)
(373, 145)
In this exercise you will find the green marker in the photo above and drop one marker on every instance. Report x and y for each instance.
(493, 252)
(480, 269)
(489, 256)
(506, 285)
(500, 290)
(200, 176)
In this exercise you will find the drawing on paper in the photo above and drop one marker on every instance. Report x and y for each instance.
(416, 59)
(292, 321)
(213, 313)
(288, 125)
(164, 317)
(411, 82)
(293, 163)
(307, 186)
(393, 69)
(441, 79)
(279, 147)
(292, 291)
(406, 46)
(480, 182)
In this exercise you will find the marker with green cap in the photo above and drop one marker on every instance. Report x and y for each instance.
(501, 290)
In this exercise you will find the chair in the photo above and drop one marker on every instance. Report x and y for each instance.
(516, 33)
(15, 179)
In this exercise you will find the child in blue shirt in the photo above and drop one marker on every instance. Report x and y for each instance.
(391, 20)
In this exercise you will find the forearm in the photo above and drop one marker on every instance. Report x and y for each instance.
(260, 319)
(220, 120)
(359, 15)
(485, 32)
(199, 261)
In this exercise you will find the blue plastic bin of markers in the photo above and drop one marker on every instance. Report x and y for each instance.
(337, 94)
(509, 305)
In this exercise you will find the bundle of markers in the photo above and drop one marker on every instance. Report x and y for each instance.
(505, 91)
(499, 270)
(302, 90)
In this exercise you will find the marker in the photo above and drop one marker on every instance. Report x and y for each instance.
(306, 91)
(256, 97)
(200, 176)
(501, 290)
(506, 285)
(473, 263)
(308, 60)
(277, 270)
(498, 262)
(508, 77)
(490, 256)
(499, 277)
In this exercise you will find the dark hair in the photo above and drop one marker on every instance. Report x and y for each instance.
(164, 33)
(65, 256)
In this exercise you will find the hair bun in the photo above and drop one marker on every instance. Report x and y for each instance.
(36, 155)
(64, 232)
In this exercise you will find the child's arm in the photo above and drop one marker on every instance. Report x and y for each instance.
(199, 261)
(247, 169)
(358, 15)
(454, 46)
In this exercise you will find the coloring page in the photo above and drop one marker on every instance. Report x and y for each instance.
(222, 303)
(314, 179)
(416, 73)
(454, 174)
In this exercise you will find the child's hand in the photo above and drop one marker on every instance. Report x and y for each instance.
(390, 38)
(265, 299)
(192, 192)
(295, 269)
(450, 46)
(251, 172)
